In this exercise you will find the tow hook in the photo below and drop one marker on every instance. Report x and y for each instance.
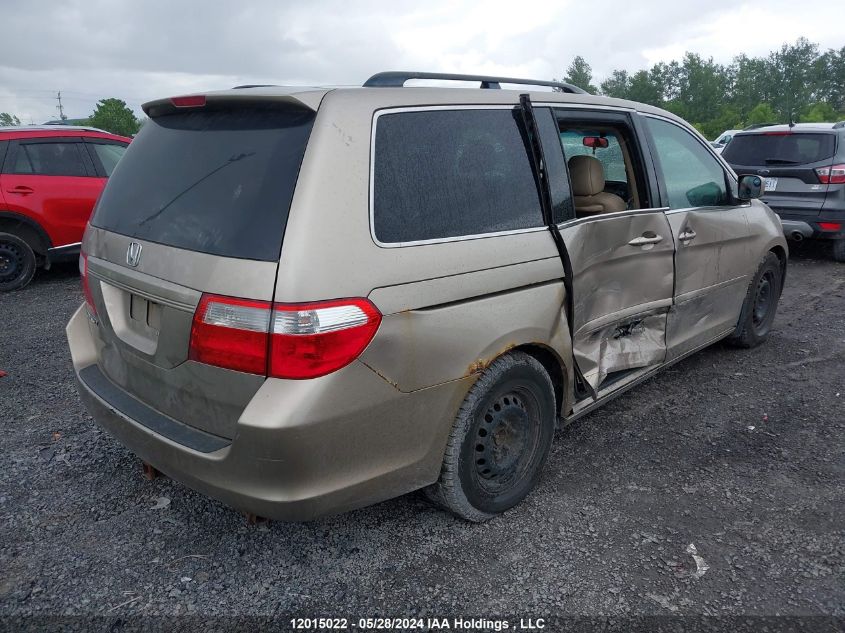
(150, 471)
(254, 519)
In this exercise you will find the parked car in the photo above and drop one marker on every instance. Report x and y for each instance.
(302, 301)
(804, 170)
(723, 139)
(50, 177)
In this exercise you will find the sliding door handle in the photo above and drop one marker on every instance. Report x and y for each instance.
(645, 241)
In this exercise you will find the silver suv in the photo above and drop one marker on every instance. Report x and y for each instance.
(302, 301)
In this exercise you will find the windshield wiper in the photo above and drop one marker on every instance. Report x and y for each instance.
(231, 161)
(781, 161)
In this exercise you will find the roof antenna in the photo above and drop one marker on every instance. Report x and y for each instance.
(791, 119)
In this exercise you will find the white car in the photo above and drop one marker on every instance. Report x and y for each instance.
(723, 139)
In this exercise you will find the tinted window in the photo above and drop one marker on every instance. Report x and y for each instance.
(49, 159)
(693, 176)
(449, 173)
(610, 157)
(217, 181)
(109, 154)
(779, 149)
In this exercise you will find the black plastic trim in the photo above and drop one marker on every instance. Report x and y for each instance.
(397, 79)
(126, 405)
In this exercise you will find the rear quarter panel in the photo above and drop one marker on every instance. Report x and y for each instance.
(449, 308)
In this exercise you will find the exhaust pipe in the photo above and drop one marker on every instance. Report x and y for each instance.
(797, 236)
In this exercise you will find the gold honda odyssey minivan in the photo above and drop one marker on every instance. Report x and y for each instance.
(301, 301)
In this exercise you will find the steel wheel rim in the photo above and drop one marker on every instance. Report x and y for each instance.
(506, 439)
(763, 297)
(11, 262)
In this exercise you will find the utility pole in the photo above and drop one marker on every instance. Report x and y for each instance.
(59, 107)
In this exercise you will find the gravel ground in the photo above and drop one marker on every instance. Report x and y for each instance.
(737, 452)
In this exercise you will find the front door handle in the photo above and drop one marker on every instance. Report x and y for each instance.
(645, 241)
(22, 190)
(687, 235)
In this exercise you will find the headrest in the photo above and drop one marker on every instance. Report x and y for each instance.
(587, 175)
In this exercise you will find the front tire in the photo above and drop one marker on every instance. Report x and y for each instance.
(839, 250)
(499, 441)
(17, 262)
(760, 305)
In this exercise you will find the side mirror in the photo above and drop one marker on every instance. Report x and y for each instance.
(750, 187)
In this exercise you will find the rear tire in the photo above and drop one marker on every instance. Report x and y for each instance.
(760, 305)
(17, 262)
(499, 441)
(839, 251)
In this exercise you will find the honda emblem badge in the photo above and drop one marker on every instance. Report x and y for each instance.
(133, 254)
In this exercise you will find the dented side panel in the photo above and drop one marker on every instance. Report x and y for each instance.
(712, 272)
(418, 348)
(622, 291)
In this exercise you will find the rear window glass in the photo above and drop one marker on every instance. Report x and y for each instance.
(451, 173)
(50, 159)
(779, 149)
(217, 181)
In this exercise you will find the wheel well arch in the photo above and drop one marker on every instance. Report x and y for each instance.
(553, 365)
(27, 229)
(780, 252)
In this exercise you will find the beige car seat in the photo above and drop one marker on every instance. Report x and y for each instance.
(588, 191)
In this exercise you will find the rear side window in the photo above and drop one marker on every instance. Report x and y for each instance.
(796, 148)
(49, 159)
(217, 181)
(450, 173)
(108, 154)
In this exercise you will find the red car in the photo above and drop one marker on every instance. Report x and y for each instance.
(50, 178)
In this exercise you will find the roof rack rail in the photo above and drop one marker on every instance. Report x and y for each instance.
(397, 79)
(754, 126)
(254, 86)
(839, 125)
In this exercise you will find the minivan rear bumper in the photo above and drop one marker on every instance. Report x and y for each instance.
(302, 449)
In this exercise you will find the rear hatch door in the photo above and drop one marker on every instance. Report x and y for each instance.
(788, 161)
(198, 204)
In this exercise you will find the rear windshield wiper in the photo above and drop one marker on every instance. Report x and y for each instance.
(781, 161)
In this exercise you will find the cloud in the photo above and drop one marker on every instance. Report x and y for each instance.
(92, 49)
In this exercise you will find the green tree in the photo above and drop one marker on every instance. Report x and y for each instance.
(819, 113)
(762, 113)
(832, 78)
(8, 119)
(617, 85)
(645, 88)
(113, 115)
(795, 71)
(580, 74)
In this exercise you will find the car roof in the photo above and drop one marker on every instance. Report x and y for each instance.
(46, 131)
(311, 96)
(796, 127)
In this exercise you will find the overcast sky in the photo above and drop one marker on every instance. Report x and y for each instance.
(91, 49)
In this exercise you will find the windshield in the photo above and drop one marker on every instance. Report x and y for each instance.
(217, 181)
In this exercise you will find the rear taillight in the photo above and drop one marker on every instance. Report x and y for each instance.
(314, 339)
(281, 340)
(231, 333)
(834, 175)
(86, 285)
(830, 226)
